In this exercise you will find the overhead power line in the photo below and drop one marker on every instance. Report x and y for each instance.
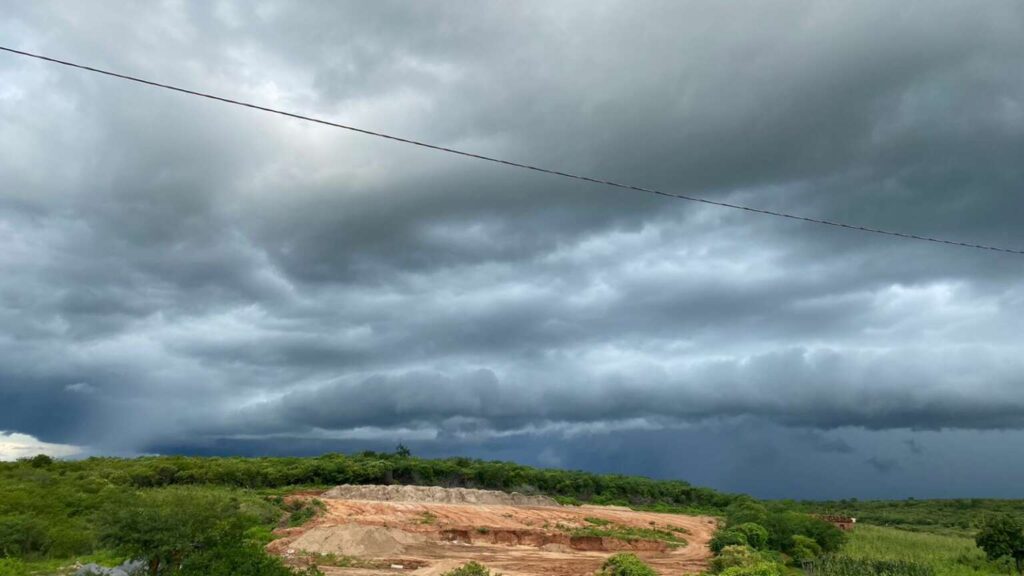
(513, 164)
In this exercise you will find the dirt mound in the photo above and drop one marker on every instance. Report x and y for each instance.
(356, 540)
(435, 494)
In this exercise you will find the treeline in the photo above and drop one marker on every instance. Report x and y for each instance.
(397, 468)
(962, 516)
(57, 509)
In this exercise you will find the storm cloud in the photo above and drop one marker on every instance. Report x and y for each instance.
(180, 275)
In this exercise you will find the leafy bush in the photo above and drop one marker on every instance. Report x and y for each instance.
(625, 564)
(734, 557)
(728, 537)
(783, 525)
(13, 567)
(235, 558)
(302, 511)
(165, 526)
(469, 569)
(804, 549)
(745, 510)
(763, 568)
(756, 535)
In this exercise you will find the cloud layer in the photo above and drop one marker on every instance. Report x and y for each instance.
(180, 274)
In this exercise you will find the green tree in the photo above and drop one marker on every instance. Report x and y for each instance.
(40, 461)
(1003, 536)
(165, 526)
(746, 510)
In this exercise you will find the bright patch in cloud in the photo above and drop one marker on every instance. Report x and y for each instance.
(14, 446)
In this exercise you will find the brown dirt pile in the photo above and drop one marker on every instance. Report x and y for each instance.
(434, 494)
(356, 540)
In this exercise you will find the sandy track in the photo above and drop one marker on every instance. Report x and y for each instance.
(452, 534)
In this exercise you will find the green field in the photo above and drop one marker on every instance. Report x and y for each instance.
(956, 516)
(948, 555)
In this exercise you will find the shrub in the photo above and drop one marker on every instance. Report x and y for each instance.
(469, 569)
(782, 526)
(734, 557)
(166, 526)
(235, 559)
(746, 510)
(725, 538)
(625, 564)
(756, 535)
(762, 568)
(804, 549)
(13, 567)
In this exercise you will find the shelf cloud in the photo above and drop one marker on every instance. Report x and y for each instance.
(181, 275)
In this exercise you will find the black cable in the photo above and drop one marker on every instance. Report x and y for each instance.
(518, 164)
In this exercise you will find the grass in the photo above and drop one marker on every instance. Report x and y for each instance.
(629, 533)
(342, 561)
(949, 555)
(302, 511)
(17, 567)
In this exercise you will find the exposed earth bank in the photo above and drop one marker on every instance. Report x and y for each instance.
(425, 531)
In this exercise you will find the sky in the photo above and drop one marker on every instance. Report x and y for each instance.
(180, 276)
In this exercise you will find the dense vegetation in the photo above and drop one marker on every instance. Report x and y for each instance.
(760, 540)
(110, 509)
(54, 512)
(397, 468)
(961, 516)
(904, 552)
(212, 516)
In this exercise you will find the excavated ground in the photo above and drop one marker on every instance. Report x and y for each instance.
(429, 538)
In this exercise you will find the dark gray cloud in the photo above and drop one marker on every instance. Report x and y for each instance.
(882, 465)
(184, 276)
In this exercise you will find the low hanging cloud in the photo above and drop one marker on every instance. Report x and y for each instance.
(179, 274)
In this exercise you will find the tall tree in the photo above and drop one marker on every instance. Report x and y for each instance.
(1003, 536)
